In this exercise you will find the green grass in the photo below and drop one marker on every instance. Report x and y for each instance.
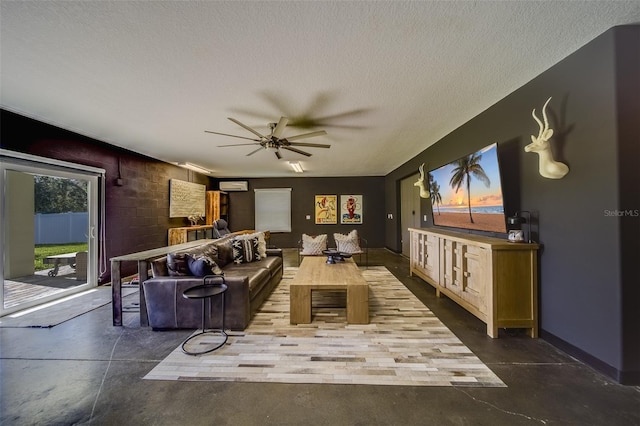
(44, 250)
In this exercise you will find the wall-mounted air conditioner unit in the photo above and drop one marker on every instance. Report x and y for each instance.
(234, 186)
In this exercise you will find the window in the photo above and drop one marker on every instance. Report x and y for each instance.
(273, 209)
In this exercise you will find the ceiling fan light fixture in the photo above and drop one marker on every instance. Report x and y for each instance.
(195, 168)
(295, 165)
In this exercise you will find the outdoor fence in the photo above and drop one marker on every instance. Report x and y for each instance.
(61, 228)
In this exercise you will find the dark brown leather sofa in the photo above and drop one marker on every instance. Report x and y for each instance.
(249, 284)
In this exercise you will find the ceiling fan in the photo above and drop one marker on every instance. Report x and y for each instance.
(313, 115)
(275, 140)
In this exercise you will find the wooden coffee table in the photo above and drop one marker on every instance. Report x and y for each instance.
(315, 275)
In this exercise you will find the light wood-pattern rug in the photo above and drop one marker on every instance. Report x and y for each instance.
(404, 344)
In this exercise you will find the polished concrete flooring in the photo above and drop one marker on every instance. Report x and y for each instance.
(86, 371)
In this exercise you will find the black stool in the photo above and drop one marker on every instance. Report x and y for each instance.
(204, 292)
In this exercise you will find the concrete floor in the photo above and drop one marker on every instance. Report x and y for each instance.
(86, 371)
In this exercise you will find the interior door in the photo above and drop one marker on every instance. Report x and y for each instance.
(409, 210)
(49, 242)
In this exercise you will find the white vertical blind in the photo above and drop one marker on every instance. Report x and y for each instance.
(273, 209)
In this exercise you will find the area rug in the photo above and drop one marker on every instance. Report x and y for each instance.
(54, 313)
(405, 344)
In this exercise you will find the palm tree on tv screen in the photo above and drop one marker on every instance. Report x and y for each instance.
(436, 197)
(466, 168)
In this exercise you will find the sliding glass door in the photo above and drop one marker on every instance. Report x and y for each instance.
(49, 233)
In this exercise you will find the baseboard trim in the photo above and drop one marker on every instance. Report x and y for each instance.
(629, 378)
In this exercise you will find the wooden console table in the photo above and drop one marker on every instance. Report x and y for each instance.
(143, 258)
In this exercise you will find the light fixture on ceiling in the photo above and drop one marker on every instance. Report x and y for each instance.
(295, 165)
(195, 168)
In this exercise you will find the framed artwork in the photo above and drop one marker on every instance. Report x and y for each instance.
(326, 209)
(186, 198)
(351, 209)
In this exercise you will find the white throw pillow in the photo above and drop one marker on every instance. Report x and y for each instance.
(313, 246)
(348, 243)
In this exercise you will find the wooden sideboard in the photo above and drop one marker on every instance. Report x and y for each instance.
(189, 233)
(496, 280)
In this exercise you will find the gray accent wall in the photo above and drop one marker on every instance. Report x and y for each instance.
(588, 221)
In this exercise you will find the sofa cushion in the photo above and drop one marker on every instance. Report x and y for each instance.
(313, 246)
(177, 264)
(245, 250)
(258, 276)
(202, 266)
(225, 253)
(272, 263)
(159, 267)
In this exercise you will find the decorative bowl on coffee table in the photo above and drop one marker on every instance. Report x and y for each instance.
(334, 256)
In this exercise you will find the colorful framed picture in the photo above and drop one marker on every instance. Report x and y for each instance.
(326, 209)
(351, 209)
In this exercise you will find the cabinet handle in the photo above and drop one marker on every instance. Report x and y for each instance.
(467, 274)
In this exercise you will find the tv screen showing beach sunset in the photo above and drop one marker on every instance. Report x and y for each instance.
(466, 193)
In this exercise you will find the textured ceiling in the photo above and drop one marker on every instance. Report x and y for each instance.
(392, 77)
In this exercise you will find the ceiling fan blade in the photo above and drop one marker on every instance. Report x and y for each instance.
(253, 113)
(277, 132)
(278, 154)
(277, 100)
(355, 112)
(311, 145)
(233, 136)
(306, 135)
(296, 150)
(247, 127)
(253, 152)
(238, 144)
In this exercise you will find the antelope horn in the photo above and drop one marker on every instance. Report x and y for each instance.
(421, 168)
(544, 114)
(533, 113)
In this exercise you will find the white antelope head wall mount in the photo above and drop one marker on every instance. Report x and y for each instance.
(420, 183)
(548, 167)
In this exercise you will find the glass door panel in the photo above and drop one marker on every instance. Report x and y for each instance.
(49, 247)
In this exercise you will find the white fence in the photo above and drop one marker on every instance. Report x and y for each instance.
(60, 228)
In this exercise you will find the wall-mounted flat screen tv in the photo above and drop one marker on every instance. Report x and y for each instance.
(467, 193)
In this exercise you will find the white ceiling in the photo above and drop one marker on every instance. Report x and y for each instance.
(152, 76)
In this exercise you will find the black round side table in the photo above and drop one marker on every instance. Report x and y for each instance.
(205, 292)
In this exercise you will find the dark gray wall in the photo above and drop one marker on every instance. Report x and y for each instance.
(583, 262)
(304, 190)
(628, 103)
